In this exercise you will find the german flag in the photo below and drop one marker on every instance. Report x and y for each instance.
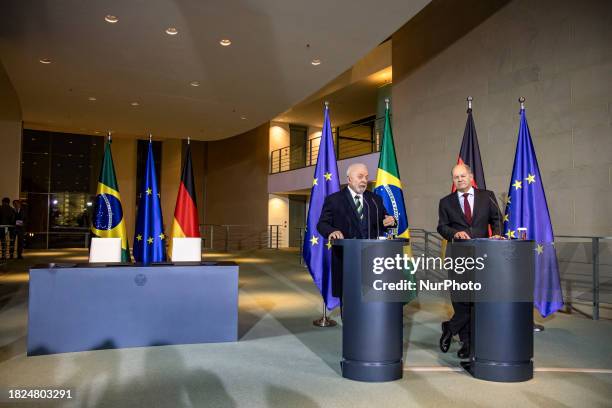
(185, 224)
(470, 153)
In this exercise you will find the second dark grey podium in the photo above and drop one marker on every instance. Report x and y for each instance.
(372, 331)
(502, 317)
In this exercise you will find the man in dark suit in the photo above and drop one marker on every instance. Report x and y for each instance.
(352, 212)
(7, 224)
(19, 231)
(465, 214)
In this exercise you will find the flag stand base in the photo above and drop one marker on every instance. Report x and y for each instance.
(538, 328)
(324, 321)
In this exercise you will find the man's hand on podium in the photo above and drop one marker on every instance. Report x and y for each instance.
(335, 235)
(500, 237)
(389, 221)
(462, 235)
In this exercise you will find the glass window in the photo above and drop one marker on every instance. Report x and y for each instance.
(59, 175)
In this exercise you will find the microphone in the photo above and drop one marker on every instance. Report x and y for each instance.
(499, 213)
(377, 219)
(367, 205)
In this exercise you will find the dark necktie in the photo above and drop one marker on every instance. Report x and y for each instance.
(467, 210)
(359, 207)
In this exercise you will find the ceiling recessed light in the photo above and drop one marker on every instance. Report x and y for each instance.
(97, 132)
(243, 117)
(134, 104)
(171, 31)
(194, 83)
(225, 42)
(111, 19)
(44, 61)
(316, 61)
(92, 98)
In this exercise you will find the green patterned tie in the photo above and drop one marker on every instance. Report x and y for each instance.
(359, 207)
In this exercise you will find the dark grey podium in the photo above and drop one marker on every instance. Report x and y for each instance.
(501, 339)
(372, 335)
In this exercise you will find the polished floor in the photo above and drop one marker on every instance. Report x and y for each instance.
(281, 360)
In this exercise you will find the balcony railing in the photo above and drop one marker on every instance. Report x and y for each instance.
(352, 140)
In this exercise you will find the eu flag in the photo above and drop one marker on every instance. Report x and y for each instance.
(149, 240)
(527, 208)
(316, 250)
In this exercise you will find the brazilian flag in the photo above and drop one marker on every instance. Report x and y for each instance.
(108, 214)
(389, 188)
(388, 184)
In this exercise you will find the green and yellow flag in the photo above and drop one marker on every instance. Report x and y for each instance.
(108, 219)
(388, 184)
(389, 188)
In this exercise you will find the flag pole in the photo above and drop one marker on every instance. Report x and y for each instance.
(536, 327)
(150, 137)
(324, 321)
(469, 103)
(109, 135)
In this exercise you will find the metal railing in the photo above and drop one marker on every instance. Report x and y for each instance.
(236, 237)
(349, 141)
(57, 239)
(274, 236)
(585, 276)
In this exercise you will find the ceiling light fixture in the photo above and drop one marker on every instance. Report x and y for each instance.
(316, 62)
(194, 83)
(111, 19)
(171, 31)
(134, 104)
(92, 98)
(225, 42)
(243, 117)
(44, 61)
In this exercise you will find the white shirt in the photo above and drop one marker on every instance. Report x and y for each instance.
(470, 199)
(353, 194)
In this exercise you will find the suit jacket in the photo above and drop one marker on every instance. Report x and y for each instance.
(21, 216)
(339, 213)
(485, 212)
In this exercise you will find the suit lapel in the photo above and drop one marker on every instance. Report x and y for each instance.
(353, 208)
(479, 204)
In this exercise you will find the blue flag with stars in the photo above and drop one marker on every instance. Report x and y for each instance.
(527, 208)
(149, 240)
(317, 250)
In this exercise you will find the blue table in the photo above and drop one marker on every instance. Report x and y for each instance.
(87, 307)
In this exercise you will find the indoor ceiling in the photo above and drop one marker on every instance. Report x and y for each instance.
(134, 78)
(350, 103)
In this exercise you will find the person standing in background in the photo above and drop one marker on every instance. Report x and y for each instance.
(7, 225)
(19, 231)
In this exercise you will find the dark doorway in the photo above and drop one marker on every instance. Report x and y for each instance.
(297, 218)
(298, 135)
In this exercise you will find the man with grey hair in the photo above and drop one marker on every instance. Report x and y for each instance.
(465, 214)
(353, 212)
